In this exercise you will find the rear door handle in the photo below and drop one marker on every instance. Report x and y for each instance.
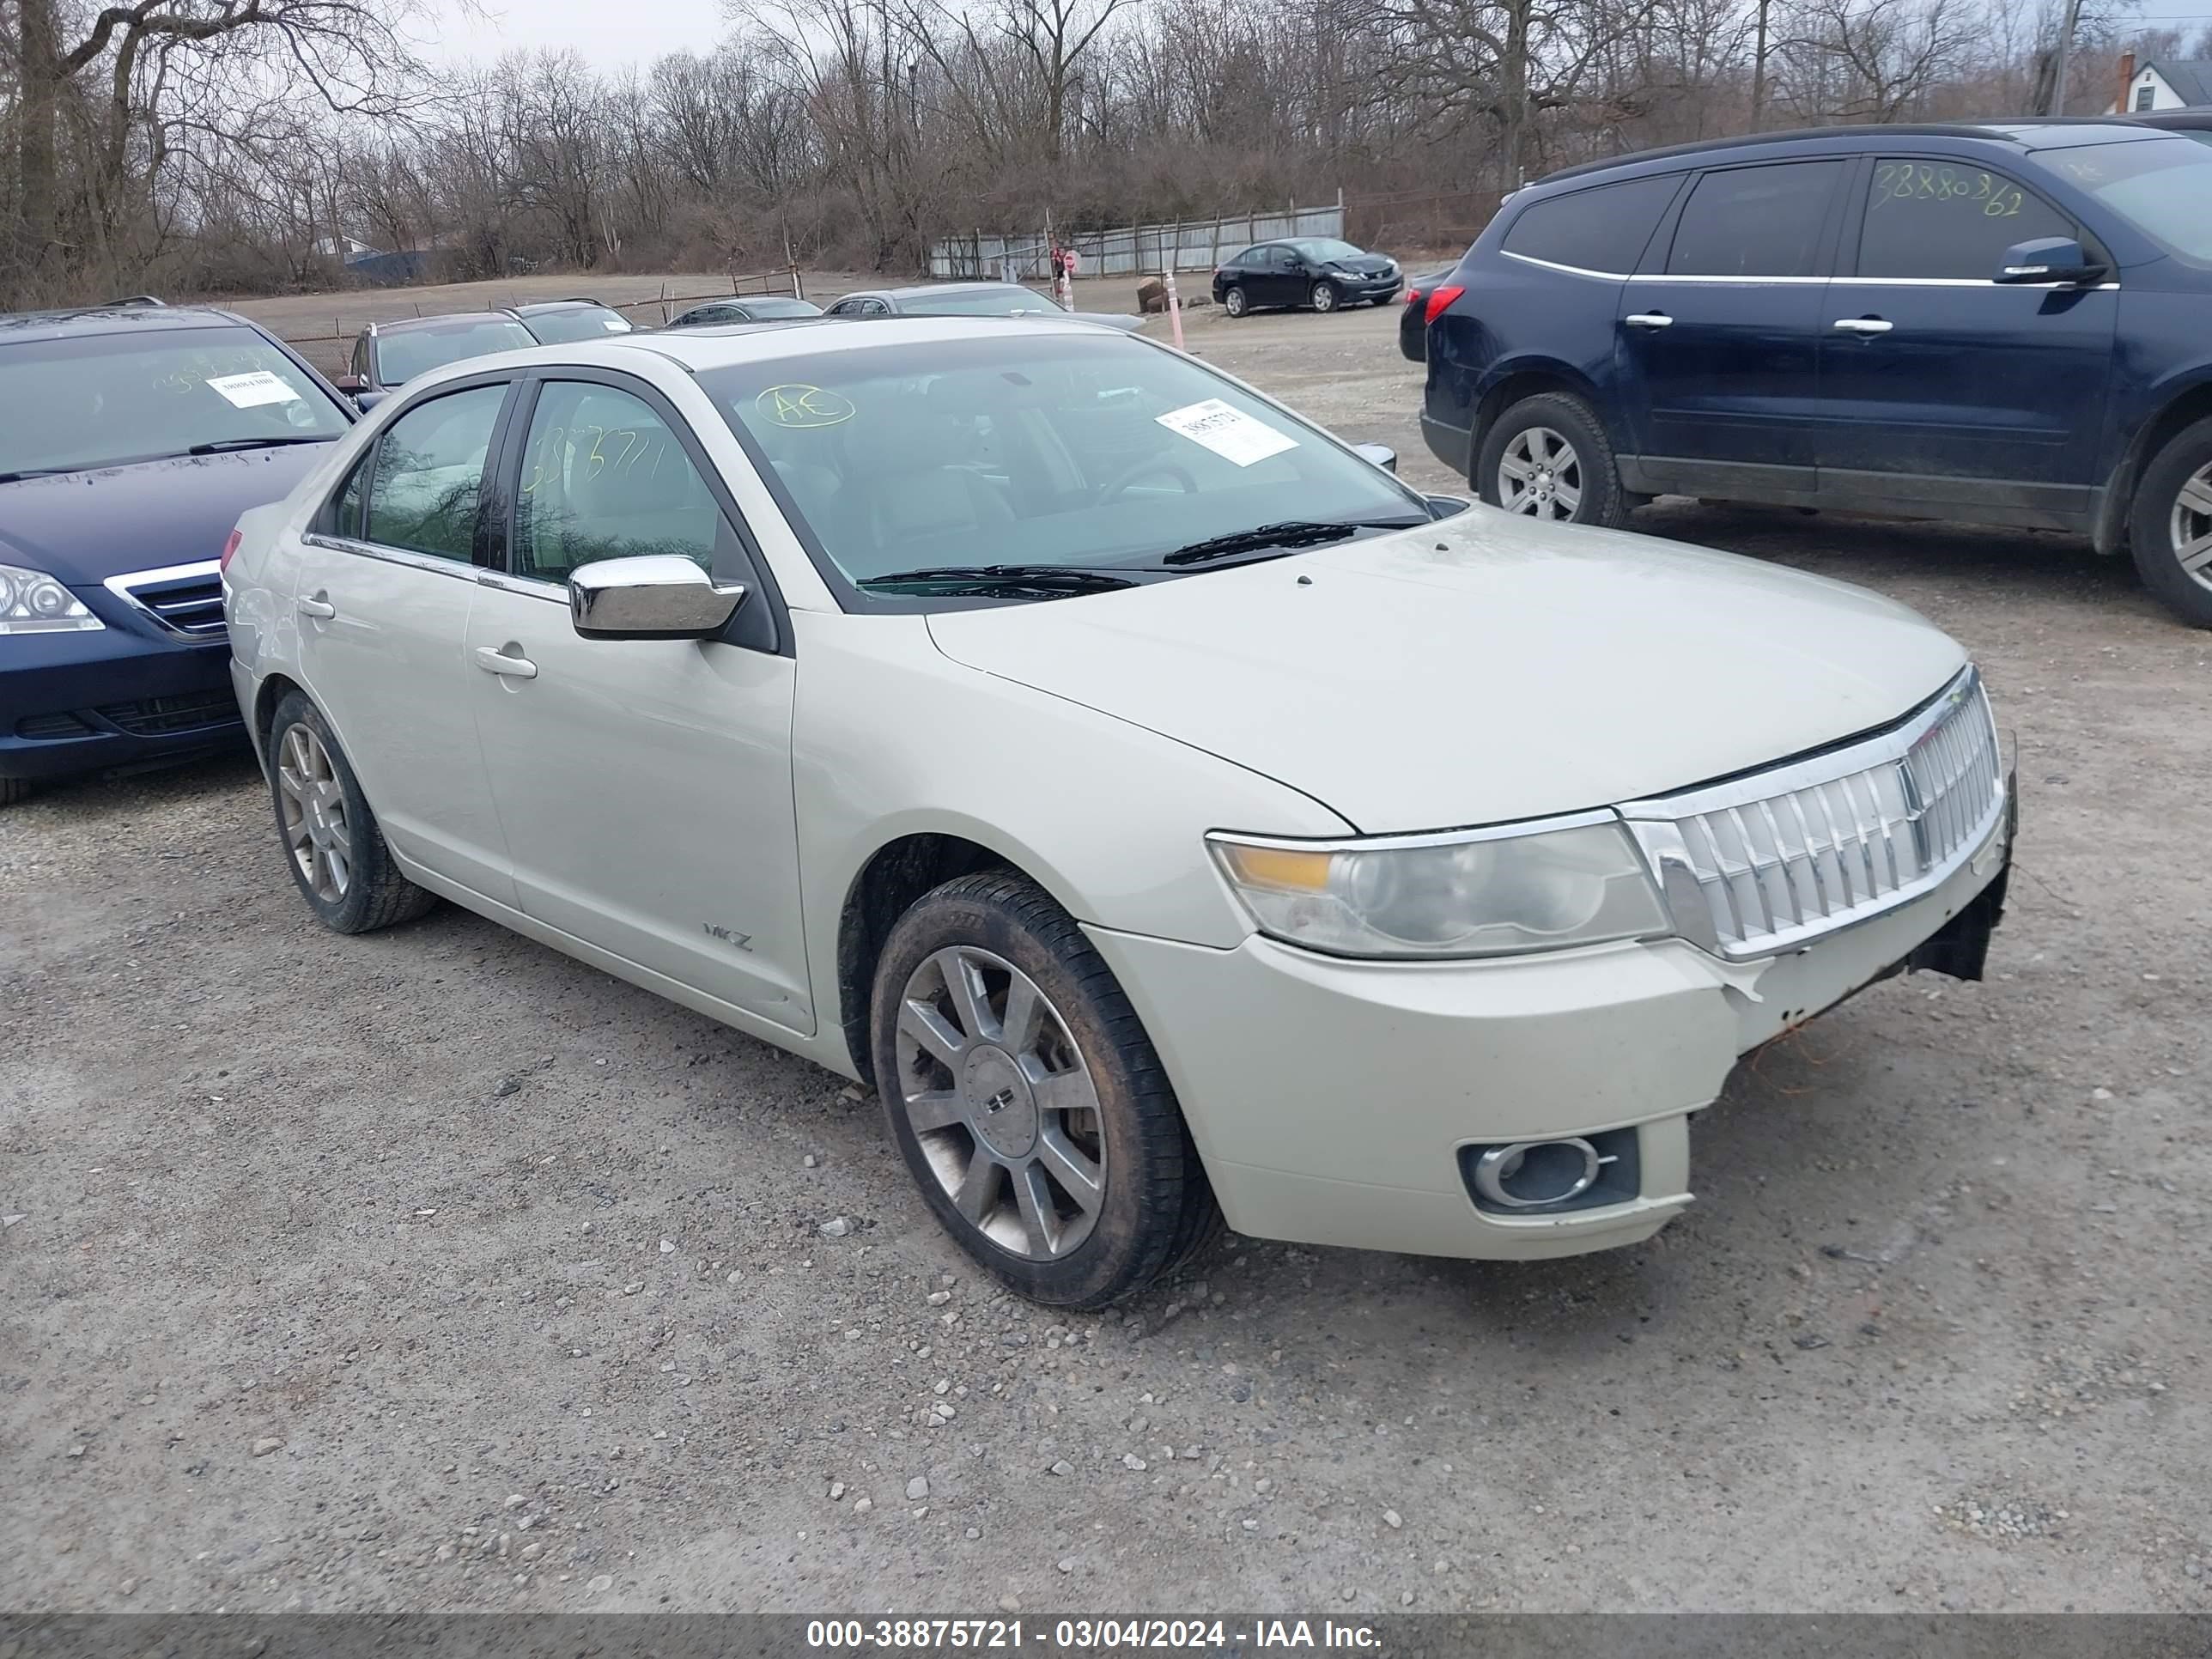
(493, 660)
(1649, 319)
(317, 607)
(1864, 325)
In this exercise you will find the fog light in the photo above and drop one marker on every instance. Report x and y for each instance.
(1527, 1175)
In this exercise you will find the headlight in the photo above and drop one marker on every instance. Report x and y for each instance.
(1475, 893)
(31, 602)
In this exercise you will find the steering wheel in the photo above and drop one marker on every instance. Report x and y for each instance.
(1150, 465)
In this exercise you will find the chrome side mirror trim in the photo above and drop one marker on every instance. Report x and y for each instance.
(655, 596)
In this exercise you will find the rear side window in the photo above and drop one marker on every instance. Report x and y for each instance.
(429, 474)
(1929, 219)
(1754, 221)
(1602, 228)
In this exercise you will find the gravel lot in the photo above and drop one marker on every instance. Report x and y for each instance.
(432, 1270)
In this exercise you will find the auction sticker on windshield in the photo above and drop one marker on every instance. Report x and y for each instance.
(251, 391)
(1228, 433)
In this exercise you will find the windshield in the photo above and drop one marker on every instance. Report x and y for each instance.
(999, 300)
(402, 356)
(2163, 186)
(138, 395)
(1326, 248)
(1072, 451)
(568, 327)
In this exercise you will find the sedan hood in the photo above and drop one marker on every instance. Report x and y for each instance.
(83, 527)
(1110, 319)
(1478, 669)
(1366, 264)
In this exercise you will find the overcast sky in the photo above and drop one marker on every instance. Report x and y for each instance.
(606, 33)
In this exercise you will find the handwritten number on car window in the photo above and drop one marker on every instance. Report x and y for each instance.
(1926, 181)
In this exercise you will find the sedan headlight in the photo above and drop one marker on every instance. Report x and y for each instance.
(31, 602)
(1474, 893)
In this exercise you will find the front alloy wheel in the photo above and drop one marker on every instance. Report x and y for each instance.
(1000, 1102)
(1324, 296)
(1540, 475)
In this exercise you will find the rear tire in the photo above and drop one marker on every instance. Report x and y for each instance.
(13, 790)
(1048, 1144)
(1547, 458)
(2170, 525)
(333, 845)
(1233, 300)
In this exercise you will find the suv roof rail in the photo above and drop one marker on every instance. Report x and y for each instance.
(1921, 130)
(138, 299)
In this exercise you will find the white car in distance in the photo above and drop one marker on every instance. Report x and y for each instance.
(1164, 809)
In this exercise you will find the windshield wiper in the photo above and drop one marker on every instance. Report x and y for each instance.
(1052, 579)
(218, 445)
(1292, 534)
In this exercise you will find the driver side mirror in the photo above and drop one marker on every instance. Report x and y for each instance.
(2047, 260)
(656, 596)
(1381, 455)
(349, 383)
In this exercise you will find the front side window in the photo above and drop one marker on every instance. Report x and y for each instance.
(2162, 185)
(1071, 450)
(1754, 221)
(604, 477)
(403, 355)
(139, 393)
(1930, 219)
(425, 487)
(1602, 228)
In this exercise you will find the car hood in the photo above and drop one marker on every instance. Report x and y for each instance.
(84, 528)
(1477, 670)
(1367, 264)
(1111, 318)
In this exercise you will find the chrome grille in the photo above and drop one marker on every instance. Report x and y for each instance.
(182, 598)
(1767, 861)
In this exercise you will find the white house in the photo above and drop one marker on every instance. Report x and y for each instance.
(2168, 85)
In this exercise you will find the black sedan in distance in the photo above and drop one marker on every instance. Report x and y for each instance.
(751, 308)
(1320, 273)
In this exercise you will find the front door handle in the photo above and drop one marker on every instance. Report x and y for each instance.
(493, 660)
(1649, 319)
(1864, 325)
(318, 607)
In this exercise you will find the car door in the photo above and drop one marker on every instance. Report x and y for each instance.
(387, 579)
(1718, 347)
(645, 785)
(1941, 388)
(1287, 284)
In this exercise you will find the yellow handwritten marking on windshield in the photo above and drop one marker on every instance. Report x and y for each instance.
(803, 406)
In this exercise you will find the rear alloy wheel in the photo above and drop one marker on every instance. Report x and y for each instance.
(1027, 1100)
(2170, 534)
(1233, 300)
(336, 855)
(13, 790)
(1324, 296)
(1547, 458)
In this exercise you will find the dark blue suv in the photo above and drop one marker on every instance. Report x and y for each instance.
(131, 437)
(2010, 323)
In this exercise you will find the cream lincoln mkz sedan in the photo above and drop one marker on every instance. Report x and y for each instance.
(1170, 813)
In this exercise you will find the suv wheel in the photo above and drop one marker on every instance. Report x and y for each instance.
(333, 845)
(1324, 296)
(13, 790)
(1233, 300)
(2170, 530)
(1547, 458)
(1026, 1099)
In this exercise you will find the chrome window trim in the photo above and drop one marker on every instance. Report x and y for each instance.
(1793, 281)
(1424, 838)
(430, 563)
(121, 586)
(528, 588)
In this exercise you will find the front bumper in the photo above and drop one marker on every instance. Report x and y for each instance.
(1331, 1100)
(115, 699)
(1357, 289)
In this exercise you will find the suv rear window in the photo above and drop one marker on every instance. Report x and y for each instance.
(1754, 220)
(1601, 228)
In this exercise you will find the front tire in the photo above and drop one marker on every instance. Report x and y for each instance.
(1325, 297)
(1233, 300)
(1547, 458)
(333, 845)
(2170, 530)
(1028, 1103)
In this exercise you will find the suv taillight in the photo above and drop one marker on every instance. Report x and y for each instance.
(1413, 297)
(1440, 300)
(228, 548)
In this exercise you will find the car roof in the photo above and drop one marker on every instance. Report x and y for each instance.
(74, 321)
(2024, 133)
(940, 287)
(443, 319)
(541, 307)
